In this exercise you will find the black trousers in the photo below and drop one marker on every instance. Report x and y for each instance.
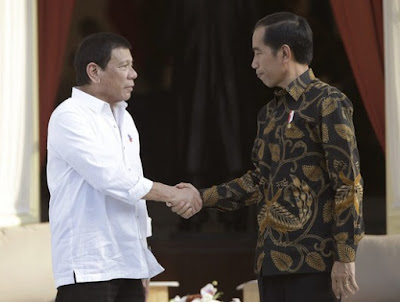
(296, 288)
(117, 290)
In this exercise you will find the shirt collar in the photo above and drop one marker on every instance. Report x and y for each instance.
(297, 87)
(94, 103)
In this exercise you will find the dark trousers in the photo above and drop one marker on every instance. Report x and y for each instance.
(296, 288)
(117, 290)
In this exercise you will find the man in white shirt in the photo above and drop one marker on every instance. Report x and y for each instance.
(98, 215)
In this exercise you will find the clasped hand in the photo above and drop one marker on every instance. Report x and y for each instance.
(187, 201)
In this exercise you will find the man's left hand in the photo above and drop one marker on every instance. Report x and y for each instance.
(344, 279)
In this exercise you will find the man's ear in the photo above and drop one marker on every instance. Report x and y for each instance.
(92, 70)
(286, 53)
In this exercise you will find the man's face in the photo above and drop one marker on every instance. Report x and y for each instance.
(269, 67)
(117, 79)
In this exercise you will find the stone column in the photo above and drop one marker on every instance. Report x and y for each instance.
(391, 20)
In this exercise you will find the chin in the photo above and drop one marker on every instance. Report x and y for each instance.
(265, 82)
(269, 85)
(126, 97)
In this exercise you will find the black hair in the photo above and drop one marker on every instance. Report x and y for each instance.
(96, 48)
(287, 28)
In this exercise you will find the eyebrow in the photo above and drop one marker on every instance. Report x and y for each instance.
(123, 62)
(256, 48)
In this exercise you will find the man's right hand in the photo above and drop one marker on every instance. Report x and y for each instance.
(187, 201)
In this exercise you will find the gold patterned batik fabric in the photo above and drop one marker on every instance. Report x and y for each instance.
(306, 181)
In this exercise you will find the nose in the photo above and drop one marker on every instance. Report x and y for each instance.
(254, 63)
(132, 74)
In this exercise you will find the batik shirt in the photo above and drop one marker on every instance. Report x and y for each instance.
(306, 181)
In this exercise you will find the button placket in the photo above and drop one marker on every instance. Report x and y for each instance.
(111, 119)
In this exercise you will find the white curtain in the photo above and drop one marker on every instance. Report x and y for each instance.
(391, 17)
(19, 147)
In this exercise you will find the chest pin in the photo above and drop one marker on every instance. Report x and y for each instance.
(290, 119)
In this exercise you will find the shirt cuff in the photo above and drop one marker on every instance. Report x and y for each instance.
(345, 252)
(142, 187)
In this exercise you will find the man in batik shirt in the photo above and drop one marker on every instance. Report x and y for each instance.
(306, 181)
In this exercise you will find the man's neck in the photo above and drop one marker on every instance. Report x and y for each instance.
(87, 89)
(91, 89)
(294, 72)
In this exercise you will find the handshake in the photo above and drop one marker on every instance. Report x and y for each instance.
(186, 201)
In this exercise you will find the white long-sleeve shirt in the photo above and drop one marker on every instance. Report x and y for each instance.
(99, 221)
